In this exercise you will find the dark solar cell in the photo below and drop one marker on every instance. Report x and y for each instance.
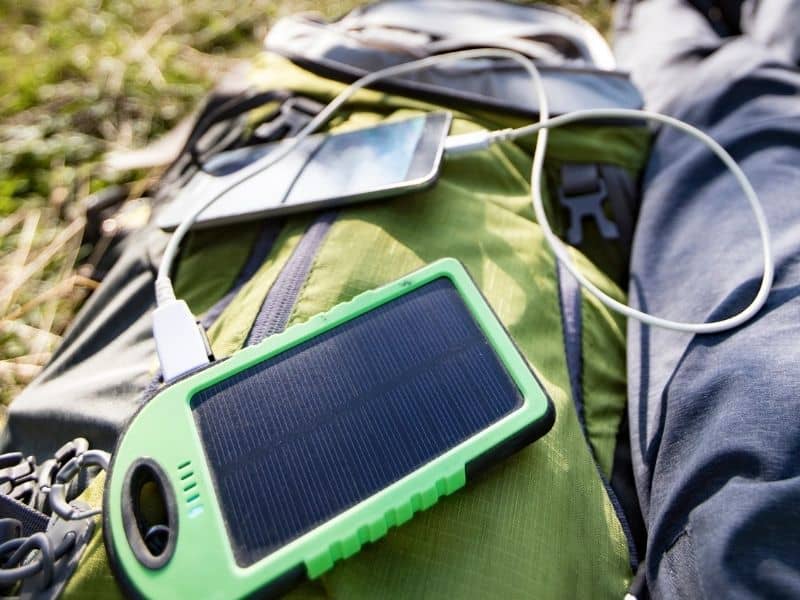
(299, 438)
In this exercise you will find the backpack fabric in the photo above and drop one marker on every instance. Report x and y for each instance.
(544, 523)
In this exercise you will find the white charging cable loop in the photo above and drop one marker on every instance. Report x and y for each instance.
(471, 142)
(560, 250)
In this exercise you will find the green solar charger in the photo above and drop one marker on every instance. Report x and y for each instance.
(291, 454)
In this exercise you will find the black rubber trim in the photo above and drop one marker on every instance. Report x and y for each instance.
(283, 583)
(128, 590)
(513, 444)
(130, 513)
(155, 388)
(525, 436)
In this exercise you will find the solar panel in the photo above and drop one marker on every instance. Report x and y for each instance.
(297, 439)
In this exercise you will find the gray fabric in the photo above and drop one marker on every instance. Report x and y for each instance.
(714, 419)
(393, 32)
(93, 382)
(543, 32)
(578, 41)
(30, 520)
(773, 25)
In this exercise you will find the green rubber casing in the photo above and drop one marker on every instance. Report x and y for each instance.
(198, 560)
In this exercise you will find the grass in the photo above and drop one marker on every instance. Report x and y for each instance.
(79, 78)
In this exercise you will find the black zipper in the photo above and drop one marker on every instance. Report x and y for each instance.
(277, 307)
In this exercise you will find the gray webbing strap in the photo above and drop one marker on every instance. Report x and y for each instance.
(32, 520)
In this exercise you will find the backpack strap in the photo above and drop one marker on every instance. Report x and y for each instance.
(230, 109)
(29, 520)
(37, 549)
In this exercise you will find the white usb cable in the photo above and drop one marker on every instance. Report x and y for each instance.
(173, 320)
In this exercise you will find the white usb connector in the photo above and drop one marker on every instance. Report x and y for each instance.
(180, 340)
(476, 140)
(467, 142)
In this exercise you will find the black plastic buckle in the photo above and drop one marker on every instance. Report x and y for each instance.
(67, 541)
(582, 193)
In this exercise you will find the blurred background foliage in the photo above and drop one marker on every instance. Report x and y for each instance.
(79, 78)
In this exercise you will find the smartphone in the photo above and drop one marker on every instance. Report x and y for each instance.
(270, 466)
(325, 170)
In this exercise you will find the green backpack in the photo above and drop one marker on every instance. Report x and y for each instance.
(545, 523)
